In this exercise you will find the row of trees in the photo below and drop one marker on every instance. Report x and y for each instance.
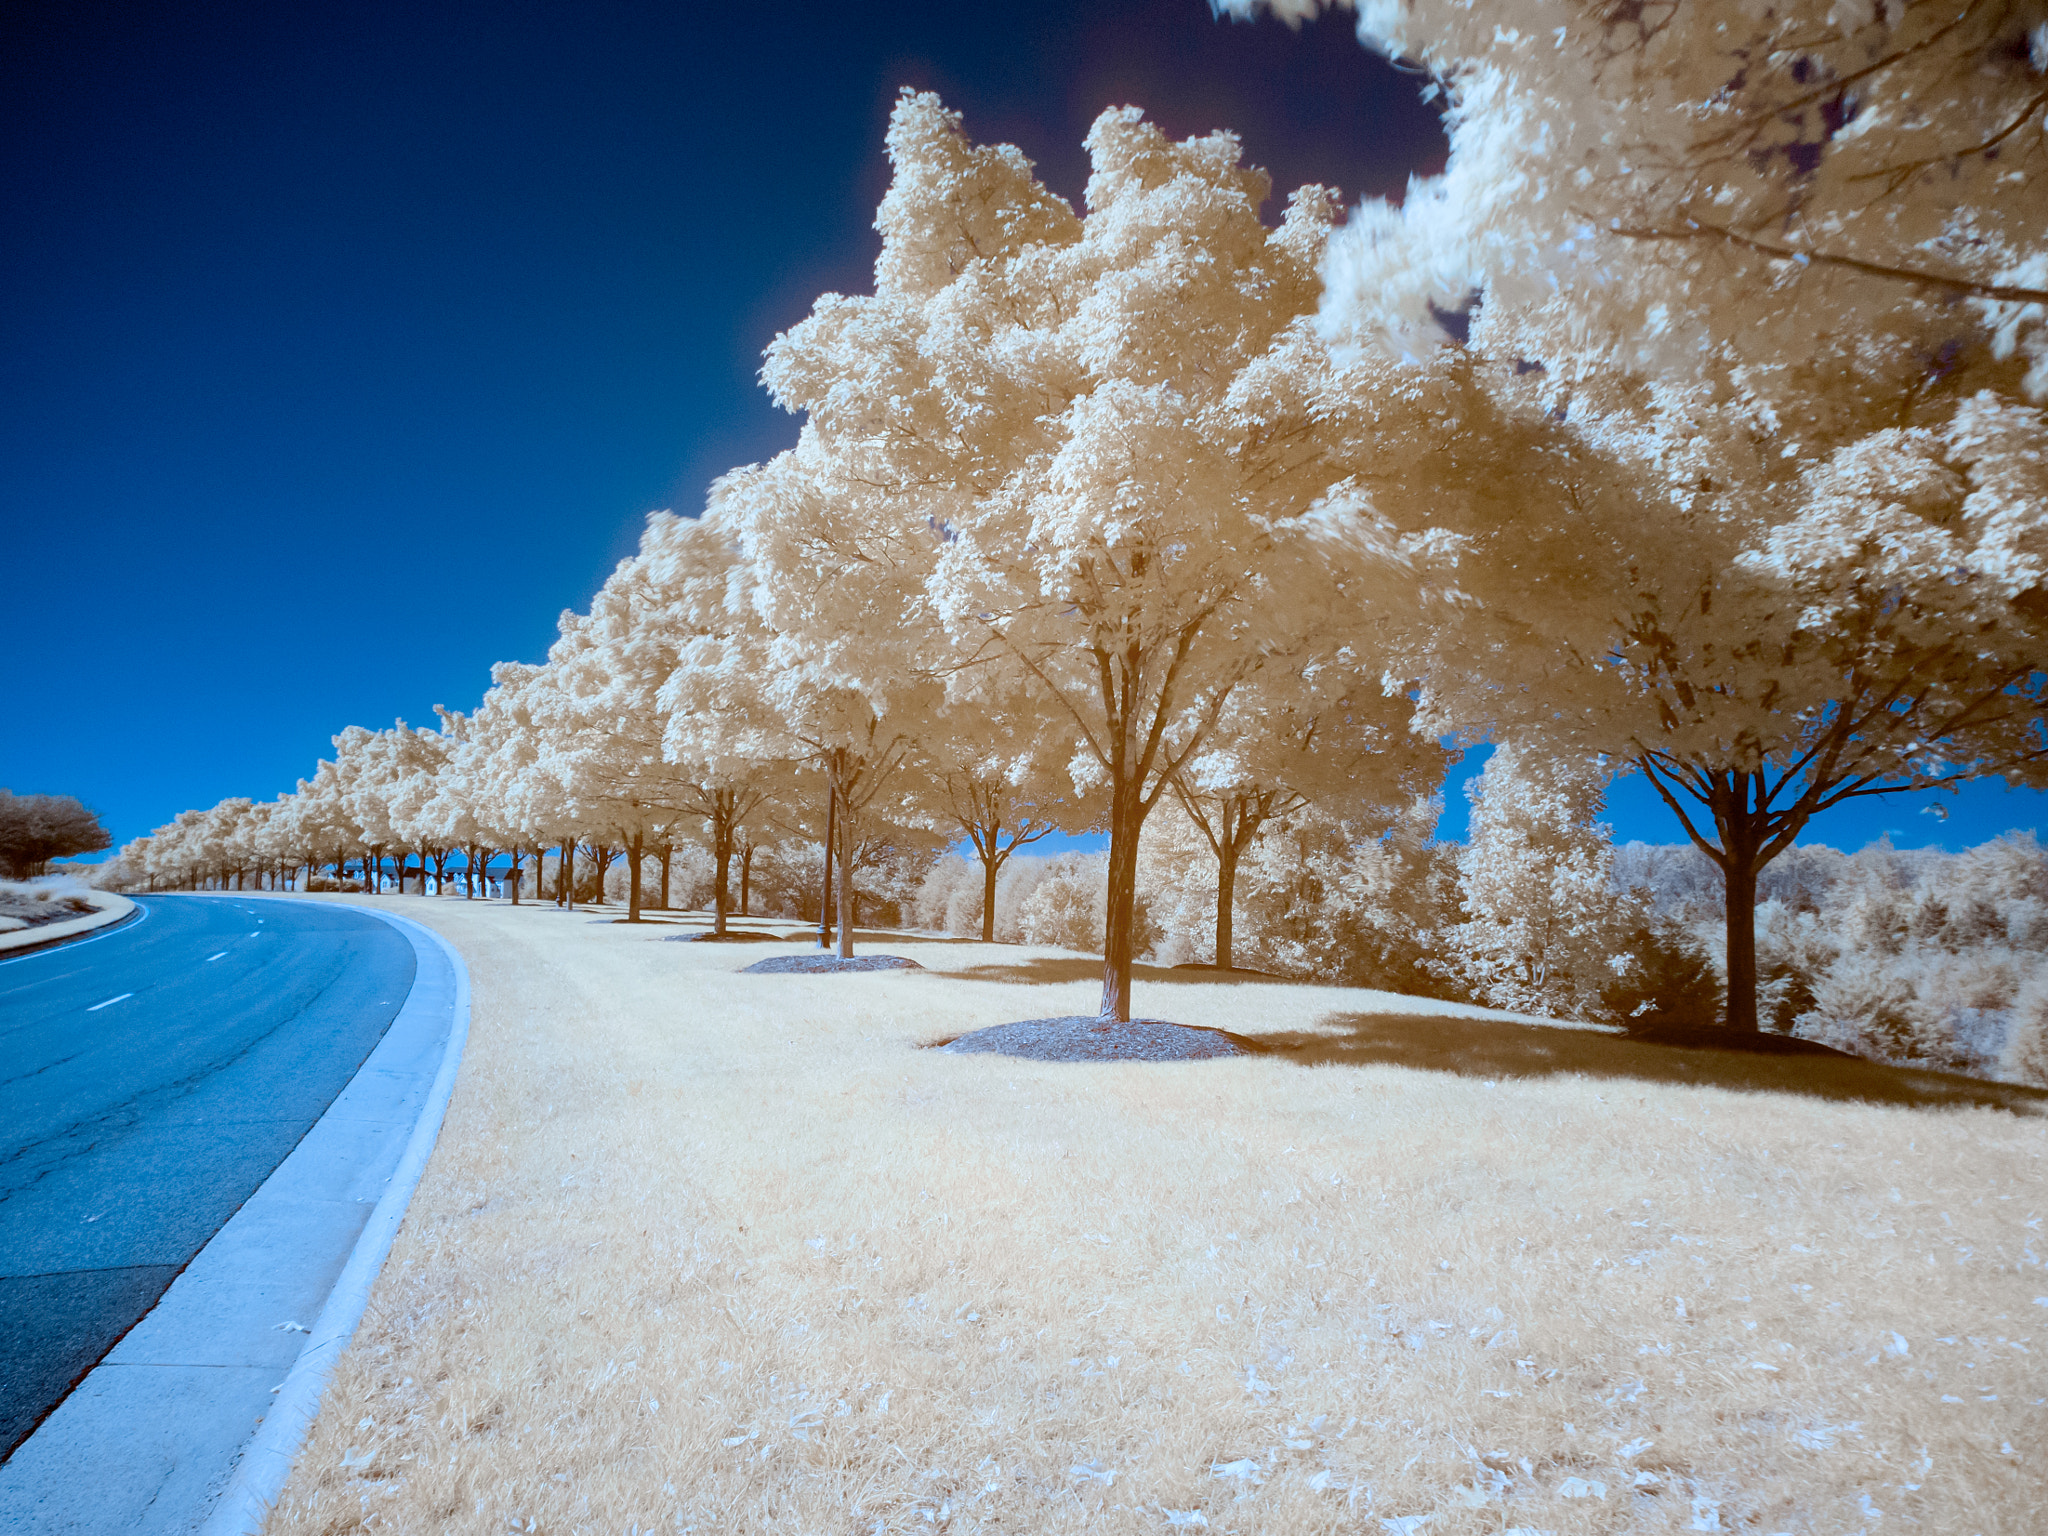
(1147, 503)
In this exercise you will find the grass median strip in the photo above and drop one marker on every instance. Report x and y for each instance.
(703, 1251)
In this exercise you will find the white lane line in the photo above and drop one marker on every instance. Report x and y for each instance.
(96, 1007)
(211, 958)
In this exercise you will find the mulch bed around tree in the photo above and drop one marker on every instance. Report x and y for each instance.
(730, 936)
(1709, 1037)
(1080, 1037)
(825, 965)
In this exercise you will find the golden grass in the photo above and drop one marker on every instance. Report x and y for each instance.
(718, 1253)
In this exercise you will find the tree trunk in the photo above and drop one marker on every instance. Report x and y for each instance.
(721, 853)
(990, 867)
(1126, 820)
(604, 857)
(565, 872)
(746, 879)
(668, 852)
(633, 880)
(512, 874)
(1226, 899)
(847, 895)
(825, 891)
(1741, 930)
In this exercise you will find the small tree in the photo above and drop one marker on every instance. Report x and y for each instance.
(1545, 929)
(35, 829)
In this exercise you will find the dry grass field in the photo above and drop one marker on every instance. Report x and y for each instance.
(720, 1253)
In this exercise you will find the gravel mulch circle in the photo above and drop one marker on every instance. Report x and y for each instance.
(732, 936)
(825, 965)
(1080, 1037)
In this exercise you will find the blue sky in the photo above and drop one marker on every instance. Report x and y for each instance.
(344, 347)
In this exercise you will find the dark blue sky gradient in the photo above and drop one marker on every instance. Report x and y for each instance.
(344, 347)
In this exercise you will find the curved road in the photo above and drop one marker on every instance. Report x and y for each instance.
(150, 1078)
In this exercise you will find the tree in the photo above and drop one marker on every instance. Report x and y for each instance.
(488, 768)
(1293, 736)
(35, 829)
(1763, 286)
(760, 679)
(1546, 931)
(1070, 445)
(417, 814)
(996, 775)
(699, 658)
(1777, 628)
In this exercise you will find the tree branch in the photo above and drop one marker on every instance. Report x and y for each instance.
(1968, 287)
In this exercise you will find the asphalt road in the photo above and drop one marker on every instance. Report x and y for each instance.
(150, 1080)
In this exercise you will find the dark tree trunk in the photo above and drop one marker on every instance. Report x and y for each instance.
(1126, 821)
(848, 897)
(825, 890)
(512, 874)
(668, 852)
(565, 874)
(633, 879)
(746, 878)
(991, 867)
(1226, 899)
(604, 858)
(1741, 930)
(1753, 831)
(721, 854)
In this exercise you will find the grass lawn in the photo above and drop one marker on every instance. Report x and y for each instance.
(719, 1253)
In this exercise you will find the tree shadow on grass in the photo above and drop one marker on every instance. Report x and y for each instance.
(1042, 970)
(1487, 1049)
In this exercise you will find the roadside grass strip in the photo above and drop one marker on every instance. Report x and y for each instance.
(711, 1252)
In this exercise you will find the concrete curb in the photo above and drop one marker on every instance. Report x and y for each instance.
(113, 908)
(267, 1459)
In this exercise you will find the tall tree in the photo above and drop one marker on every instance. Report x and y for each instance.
(1058, 442)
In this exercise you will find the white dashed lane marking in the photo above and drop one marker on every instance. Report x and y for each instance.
(96, 1007)
(211, 958)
